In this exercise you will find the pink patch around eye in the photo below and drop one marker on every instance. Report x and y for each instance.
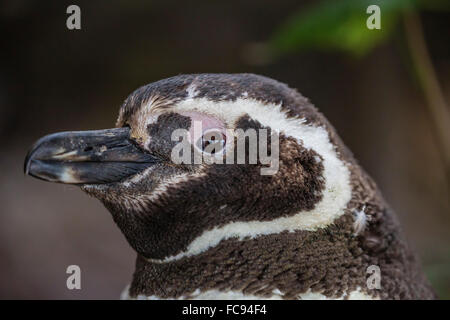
(203, 125)
(200, 123)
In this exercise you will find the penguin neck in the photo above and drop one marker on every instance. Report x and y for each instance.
(286, 265)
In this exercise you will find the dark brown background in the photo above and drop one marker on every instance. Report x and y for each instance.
(53, 79)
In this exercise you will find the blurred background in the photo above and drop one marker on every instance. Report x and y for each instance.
(386, 92)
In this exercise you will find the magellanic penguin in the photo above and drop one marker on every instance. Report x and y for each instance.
(316, 228)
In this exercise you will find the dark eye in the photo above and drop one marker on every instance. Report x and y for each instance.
(213, 142)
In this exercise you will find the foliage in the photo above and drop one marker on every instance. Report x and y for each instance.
(341, 25)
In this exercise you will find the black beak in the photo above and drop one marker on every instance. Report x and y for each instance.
(83, 157)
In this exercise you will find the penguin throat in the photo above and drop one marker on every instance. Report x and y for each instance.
(286, 265)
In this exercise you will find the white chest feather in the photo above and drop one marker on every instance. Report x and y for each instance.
(237, 295)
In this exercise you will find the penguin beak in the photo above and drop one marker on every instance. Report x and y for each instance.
(86, 157)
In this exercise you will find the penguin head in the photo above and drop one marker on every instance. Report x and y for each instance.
(198, 159)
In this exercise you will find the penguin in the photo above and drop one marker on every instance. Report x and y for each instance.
(309, 223)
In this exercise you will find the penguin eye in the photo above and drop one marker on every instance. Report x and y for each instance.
(213, 142)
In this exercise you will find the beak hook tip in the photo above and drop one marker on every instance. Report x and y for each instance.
(26, 165)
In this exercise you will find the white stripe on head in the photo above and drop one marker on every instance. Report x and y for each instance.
(336, 194)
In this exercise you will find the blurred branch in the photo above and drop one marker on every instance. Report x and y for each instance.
(430, 85)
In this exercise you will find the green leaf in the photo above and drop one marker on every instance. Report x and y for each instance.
(338, 25)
